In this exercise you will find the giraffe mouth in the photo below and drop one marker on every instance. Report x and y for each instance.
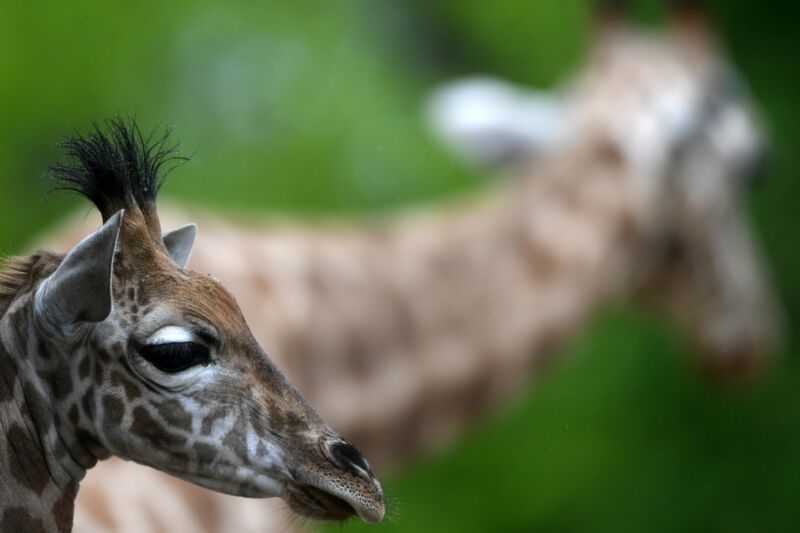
(336, 487)
(317, 504)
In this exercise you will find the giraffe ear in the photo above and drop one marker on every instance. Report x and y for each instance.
(179, 243)
(80, 288)
(493, 123)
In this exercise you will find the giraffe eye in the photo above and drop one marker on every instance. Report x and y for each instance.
(175, 356)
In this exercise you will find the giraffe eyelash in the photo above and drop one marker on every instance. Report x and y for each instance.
(174, 357)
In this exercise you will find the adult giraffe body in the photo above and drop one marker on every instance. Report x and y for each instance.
(404, 332)
(116, 349)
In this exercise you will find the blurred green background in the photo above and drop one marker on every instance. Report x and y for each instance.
(314, 107)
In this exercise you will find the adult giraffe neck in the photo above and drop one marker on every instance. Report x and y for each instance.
(442, 317)
(434, 319)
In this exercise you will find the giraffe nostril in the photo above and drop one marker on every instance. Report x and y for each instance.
(346, 456)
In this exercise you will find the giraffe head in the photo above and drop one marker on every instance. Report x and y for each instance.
(670, 108)
(684, 123)
(163, 369)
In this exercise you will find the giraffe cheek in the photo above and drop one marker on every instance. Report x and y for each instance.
(153, 432)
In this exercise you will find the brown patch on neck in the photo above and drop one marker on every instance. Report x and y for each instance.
(64, 509)
(19, 519)
(609, 153)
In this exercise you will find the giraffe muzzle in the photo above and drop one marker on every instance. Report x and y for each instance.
(338, 485)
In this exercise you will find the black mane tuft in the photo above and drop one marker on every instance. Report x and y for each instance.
(116, 167)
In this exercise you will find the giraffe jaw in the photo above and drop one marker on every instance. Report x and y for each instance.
(324, 499)
(251, 485)
(315, 496)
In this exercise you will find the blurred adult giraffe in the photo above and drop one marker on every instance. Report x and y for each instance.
(406, 332)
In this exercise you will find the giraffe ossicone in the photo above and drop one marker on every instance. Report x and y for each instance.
(117, 349)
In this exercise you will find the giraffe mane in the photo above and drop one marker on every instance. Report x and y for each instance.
(116, 166)
(17, 273)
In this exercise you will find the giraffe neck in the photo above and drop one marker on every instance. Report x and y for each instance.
(41, 460)
(436, 319)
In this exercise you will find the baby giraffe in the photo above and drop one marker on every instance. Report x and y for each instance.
(117, 349)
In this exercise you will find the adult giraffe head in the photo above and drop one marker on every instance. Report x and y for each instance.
(156, 362)
(669, 108)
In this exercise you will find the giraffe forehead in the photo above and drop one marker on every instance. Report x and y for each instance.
(187, 293)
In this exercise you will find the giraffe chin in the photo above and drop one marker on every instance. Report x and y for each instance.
(320, 504)
(317, 504)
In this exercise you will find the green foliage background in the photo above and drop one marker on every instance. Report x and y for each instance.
(314, 107)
